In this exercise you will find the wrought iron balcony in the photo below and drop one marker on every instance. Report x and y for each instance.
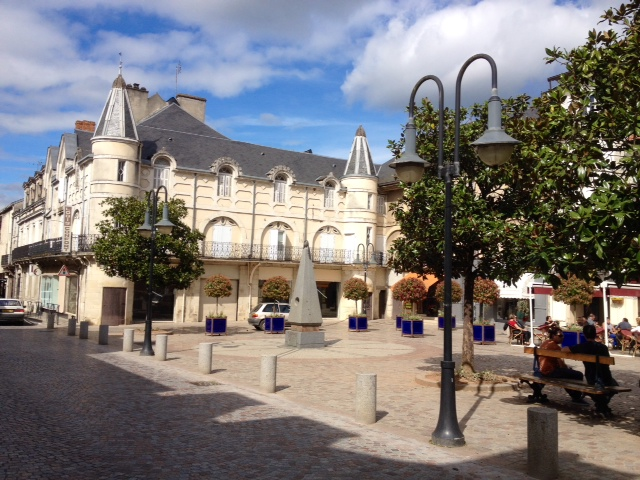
(53, 246)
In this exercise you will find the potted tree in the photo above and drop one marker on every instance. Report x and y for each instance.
(485, 292)
(573, 291)
(217, 286)
(456, 296)
(410, 291)
(275, 289)
(356, 289)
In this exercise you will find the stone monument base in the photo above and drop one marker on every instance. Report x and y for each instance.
(297, 339)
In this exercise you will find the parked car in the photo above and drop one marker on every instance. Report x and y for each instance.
(11, 311)
(262, 310)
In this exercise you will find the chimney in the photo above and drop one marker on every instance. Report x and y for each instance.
(86, 125)
(195, 106)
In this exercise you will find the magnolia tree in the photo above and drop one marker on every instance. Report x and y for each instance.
(485, 292)
(217, 286)
(355, 289)
(410, 290)
(573, 291)
(276, 289)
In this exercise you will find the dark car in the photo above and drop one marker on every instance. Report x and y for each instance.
(262, 310)
(11, 311)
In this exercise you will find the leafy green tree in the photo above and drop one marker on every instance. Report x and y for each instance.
(574, 291)
(276, 289)
(588, 132)
(409, 290)
(122, 251)
(485, 292)
(355, 289)
(217, 286)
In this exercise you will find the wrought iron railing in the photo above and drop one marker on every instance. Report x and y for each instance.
(53, 246)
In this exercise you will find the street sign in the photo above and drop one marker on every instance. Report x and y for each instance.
(64, 271)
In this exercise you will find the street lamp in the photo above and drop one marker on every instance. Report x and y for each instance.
(494, 147)
(365, 264)
(149, 230)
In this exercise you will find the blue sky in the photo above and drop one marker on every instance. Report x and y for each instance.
(293, 74)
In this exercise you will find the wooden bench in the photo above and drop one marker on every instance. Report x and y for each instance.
(537, 383)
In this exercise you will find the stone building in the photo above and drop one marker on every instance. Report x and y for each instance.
(255, 205)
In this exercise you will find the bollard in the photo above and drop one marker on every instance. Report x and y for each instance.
(542, 443)
(366, 398)
(205, 357)
(71, 326)
(161, 347)
(84, 330)
(127, 339)
(103, 335)
(268, 369)
(51, 318)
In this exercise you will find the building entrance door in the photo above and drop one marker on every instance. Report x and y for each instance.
(113, 305)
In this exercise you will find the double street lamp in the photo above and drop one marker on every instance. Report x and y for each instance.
(366, 257)
(494, 147)
(149, 230)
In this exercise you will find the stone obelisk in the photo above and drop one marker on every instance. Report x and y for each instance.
(305, 316)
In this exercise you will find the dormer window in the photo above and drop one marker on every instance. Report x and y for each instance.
(225, 174)
(161, 173)
(329, 195)
(280, 188)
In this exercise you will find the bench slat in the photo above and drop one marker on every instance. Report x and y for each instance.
(582, 357)
(573, 385)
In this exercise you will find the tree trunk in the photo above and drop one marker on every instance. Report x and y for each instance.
(467, 325)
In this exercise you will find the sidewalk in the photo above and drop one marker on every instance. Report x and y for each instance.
(320, 384)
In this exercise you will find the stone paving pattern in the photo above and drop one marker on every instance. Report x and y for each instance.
(73, 409)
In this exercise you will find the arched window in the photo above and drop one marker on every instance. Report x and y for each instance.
(224, 181)
(329, 195)
(161, 173)
(280, 188)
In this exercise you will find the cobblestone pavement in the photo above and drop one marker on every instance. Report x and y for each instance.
(76, 409)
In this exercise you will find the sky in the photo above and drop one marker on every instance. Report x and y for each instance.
(291, 74)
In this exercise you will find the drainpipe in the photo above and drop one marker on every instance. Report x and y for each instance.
(306, 214)
(193, 226)
(253, 221)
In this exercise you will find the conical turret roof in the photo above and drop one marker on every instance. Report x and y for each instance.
(360, 161)
(117, 118)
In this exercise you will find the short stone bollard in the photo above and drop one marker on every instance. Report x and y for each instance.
(51, 319)
(205, 357)
(127, 339)
(84, 330)
(268, 368)
(542, 443)
(103, 335)
(366, 398)
(161, 347)
(71, 326)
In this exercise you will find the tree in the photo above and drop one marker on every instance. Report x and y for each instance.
(355, 289)
(122, 251)
(217, 286)
(409, 290)
(485, 292)
(276, 289)
(456, 292)
(589, 134)
(574, 291)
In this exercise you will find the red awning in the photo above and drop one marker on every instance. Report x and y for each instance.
(624, 292)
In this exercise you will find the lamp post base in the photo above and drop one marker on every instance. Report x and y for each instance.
(447, 432)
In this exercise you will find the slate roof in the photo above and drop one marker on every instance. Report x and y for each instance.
(117, 119)
(194, 145)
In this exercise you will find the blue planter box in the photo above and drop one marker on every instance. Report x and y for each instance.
(484, 334)
(441, 323)
(274, 325)
(571, 338)
(412, 328)
(215, 326)
(398, 322)
(357, 324)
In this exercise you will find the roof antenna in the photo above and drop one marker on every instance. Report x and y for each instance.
(120, 66)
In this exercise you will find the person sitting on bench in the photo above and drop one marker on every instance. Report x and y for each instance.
(556, 368)
(595, 373)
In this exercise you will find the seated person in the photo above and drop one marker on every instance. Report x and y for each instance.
(515, 324)
(636, 329)
(595, 373)
(556, 368)
(613, 338)
(623, 325)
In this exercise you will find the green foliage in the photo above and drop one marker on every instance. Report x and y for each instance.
(217, 286)
(574, 291)
(355, 289)
(456, 292)
(485, 291)
(122, 251)
(276, 289)
(522, 306)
